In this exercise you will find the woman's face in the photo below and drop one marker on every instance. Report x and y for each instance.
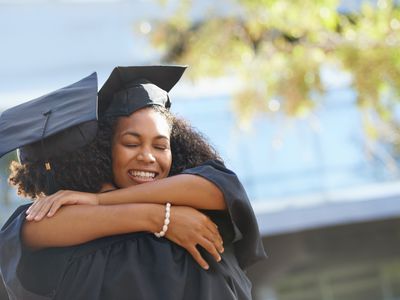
(141, 149)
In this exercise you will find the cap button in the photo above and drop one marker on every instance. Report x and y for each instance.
(46, 113)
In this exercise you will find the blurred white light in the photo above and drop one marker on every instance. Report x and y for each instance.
(274, 105)
(246, 57)
(395, 24)
(391, 40)
(350, 34)
(145, 27)
(382, 4)
(315, 124)
(324, 12)
(89, 1)
(277, 143)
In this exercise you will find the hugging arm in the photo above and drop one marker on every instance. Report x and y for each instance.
(187, 230)
(247, 241)
(74, 225)
(184, 189)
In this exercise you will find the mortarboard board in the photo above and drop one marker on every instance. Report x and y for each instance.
(52, 125)
(129, 89)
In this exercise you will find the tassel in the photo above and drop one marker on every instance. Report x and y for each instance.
(51, 185)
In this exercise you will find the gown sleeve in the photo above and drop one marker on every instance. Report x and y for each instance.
(28, 274)
(247, 240)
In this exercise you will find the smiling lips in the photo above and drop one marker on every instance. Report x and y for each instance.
(142, 176)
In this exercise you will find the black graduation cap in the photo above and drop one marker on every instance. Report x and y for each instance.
(52, 125)
(129, 89)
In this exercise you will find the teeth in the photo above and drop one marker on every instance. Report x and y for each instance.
(143, 174)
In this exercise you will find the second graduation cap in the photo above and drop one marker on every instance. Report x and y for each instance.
(129, 89)
(56, 123)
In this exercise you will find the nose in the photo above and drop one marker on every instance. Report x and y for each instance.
(146, 156)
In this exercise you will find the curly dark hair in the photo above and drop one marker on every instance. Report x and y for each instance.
(189, 147)
(86, 169)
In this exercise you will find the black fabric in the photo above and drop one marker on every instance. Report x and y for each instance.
(15, 271)
(129, 89)
(247, 242)
(48, 116)
(60, 144)
(141, 266)
(136, 266)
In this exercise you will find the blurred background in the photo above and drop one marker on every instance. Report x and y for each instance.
(300, 98)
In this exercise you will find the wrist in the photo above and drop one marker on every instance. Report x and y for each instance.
(156, 217)
(100, 199)
(166, 221)
(97, 199)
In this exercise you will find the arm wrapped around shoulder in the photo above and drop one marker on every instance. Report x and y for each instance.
(247, 242)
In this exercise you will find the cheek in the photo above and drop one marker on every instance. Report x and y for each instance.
(167, 161)
(118, 156)
(116, 166)
(114, 156)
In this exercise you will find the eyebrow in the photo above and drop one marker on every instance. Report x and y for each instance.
(135, 134)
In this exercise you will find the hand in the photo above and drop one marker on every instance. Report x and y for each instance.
(50, 204)
(188, 227)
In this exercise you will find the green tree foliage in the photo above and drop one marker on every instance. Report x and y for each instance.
(278, 49)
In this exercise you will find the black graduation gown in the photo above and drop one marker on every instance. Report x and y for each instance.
(138, 265)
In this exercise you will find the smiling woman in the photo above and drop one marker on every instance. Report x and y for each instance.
(109, 250)
(141, 153)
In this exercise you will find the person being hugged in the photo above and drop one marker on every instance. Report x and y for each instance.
(139, 191)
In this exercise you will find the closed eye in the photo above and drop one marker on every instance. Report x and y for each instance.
(160, 147)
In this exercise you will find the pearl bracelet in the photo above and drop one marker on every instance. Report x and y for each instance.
(166, 221)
